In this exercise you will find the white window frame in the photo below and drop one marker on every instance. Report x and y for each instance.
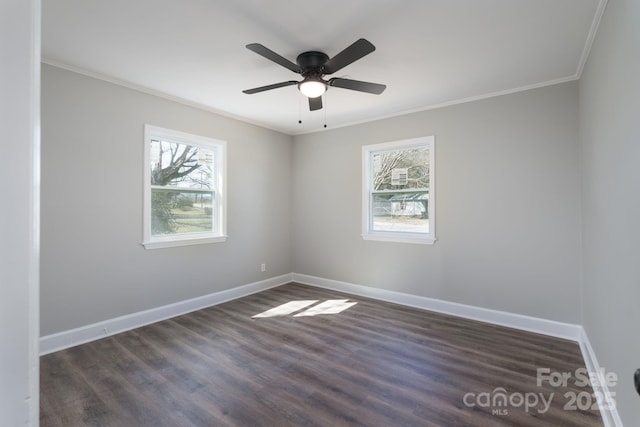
(220, 166)
(367, 169)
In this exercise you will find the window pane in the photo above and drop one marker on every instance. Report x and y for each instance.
(178, 166)
(400, 197)
(400, 212)
(176, 212)
(181, 165)
(401, 169)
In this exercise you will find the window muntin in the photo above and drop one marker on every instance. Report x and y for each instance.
(398, 196)
(184, 189)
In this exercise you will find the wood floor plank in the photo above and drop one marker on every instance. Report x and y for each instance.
(373, 364)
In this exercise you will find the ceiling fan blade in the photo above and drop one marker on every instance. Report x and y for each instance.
(272, 56)
(315, 103)
(269, 87)
(357, 50)
(374, 88)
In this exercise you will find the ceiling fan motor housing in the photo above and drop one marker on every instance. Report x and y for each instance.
(312, 63)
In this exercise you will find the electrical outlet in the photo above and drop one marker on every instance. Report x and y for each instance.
(263, 267)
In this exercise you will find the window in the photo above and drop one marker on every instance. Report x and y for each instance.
(184, 189)
(398, 191)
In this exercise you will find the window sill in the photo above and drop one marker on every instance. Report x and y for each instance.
(169, 243)
(400, 238)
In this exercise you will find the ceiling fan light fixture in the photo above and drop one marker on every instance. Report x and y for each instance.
(312, 88)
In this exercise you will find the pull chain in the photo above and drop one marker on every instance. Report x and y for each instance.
(325, 110)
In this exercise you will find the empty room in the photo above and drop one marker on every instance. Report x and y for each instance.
(357, 213)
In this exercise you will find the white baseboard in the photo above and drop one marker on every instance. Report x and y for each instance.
(66, 339)
(502, 318)
(610, 417)
(73, 337)
(84, 334)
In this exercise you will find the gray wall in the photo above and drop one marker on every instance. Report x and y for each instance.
(609, 128)
(93, 266)
(507, 213)
(19, 116)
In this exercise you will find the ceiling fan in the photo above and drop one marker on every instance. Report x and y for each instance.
(313, 66)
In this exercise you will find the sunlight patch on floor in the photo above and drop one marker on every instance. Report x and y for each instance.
(286, 309)
(332, 306)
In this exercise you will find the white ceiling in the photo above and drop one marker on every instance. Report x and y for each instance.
(429, 52)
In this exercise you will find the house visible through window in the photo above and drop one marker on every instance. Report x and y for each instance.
(184, 189)
(398, 196)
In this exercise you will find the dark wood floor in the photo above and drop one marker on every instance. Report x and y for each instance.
(373, 364)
